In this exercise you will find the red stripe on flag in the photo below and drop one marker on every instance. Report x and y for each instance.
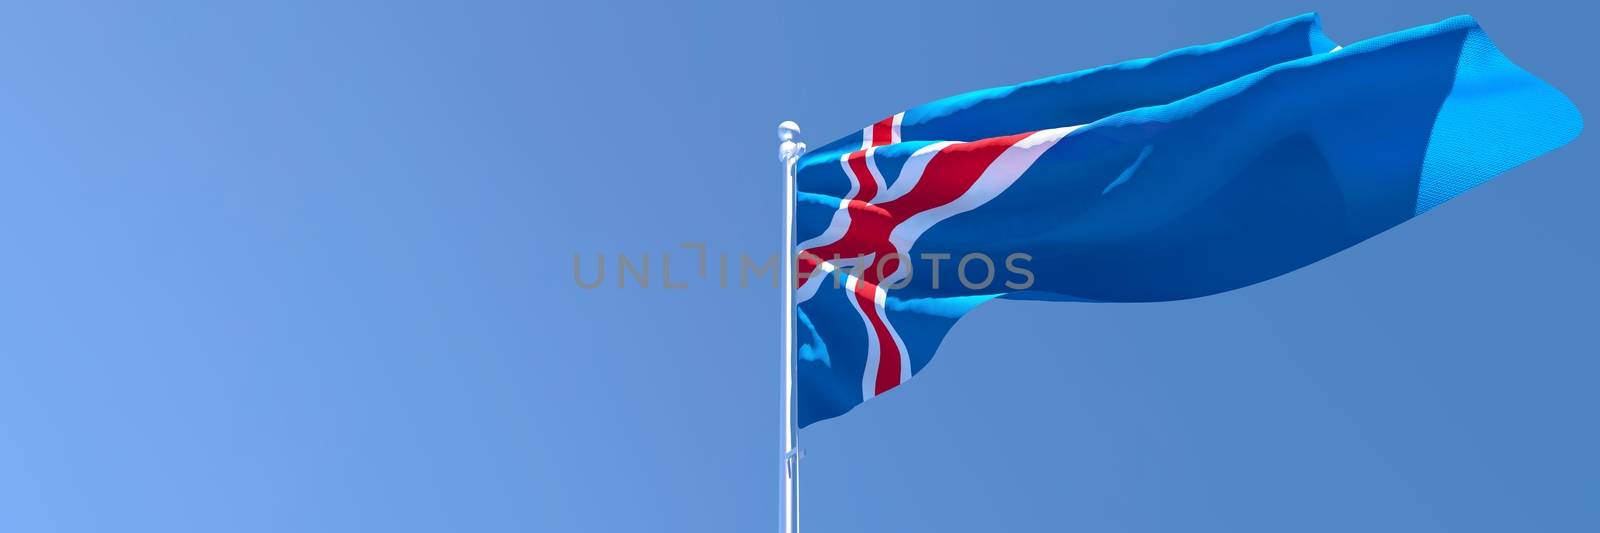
(867, 187)
(883, 132)
(948, 175)
(888, 371)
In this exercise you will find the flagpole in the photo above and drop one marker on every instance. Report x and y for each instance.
(789, 150)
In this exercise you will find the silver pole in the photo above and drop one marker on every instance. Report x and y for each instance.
(789, 151)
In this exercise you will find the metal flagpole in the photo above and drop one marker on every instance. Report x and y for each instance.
(789, 151)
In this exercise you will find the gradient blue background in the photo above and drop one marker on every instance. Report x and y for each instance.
(306, 266)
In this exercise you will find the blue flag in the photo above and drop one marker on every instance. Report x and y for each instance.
(1199, 171)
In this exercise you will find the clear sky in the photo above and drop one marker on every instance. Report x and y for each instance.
(307, 266)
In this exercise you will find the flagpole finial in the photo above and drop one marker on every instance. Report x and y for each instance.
(791, 148)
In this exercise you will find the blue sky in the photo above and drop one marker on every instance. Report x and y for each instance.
(307, 267)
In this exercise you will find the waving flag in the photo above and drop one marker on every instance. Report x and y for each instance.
(1196, 172)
